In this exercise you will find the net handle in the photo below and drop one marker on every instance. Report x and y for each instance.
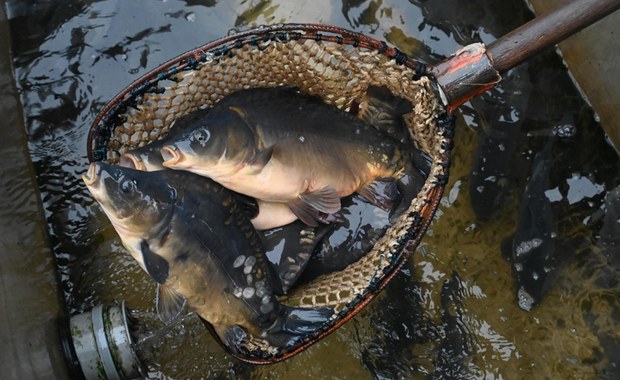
(476, 68)
(549, 29)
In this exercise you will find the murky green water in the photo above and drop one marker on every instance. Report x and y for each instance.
(453, 311)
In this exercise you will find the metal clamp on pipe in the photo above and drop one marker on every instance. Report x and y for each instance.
(97, 345)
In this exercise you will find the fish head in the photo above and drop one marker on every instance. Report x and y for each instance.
(146, 158)
(133, 161)
(196, 148)
(133, 200)
(223, 139)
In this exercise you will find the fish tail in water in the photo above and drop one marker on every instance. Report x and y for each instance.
(384, 110)
(295, 322)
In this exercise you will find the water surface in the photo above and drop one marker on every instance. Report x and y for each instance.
(453, 311)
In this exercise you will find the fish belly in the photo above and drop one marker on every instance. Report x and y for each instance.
(275, 182)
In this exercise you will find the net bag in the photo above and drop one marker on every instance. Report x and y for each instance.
(336, 64)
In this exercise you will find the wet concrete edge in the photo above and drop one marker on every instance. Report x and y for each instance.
(592, 56)
(30, 303)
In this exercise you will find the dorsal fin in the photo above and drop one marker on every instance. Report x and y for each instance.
(384, 111)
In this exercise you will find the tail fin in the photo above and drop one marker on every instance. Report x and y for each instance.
(384, 110)
(291, 326)
(295, 322)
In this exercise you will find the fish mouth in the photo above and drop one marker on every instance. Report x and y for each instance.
(92, 175)
(131, 161)
(171, 155)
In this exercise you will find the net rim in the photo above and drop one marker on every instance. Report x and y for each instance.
(281, 32)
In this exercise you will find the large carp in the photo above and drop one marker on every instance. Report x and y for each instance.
(278, 145)
(194, 238)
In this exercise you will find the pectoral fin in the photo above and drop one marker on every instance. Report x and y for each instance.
(261, 158)
(304, 212)
(380, 193)
(309, 206)
(169, 304)
(156, 266)
(325, 199)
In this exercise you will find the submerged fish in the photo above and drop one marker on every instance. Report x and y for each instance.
(278, 145)
(609, 235)
(456, 345)
(535, 251)
(195, 240)
(497, 165)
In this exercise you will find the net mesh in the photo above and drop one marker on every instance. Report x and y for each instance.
(337, 67)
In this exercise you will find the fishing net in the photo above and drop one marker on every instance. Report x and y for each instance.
(336, 64)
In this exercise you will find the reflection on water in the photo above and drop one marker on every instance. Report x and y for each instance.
(452, 311)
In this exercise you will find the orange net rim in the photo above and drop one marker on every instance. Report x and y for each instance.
(111, 116)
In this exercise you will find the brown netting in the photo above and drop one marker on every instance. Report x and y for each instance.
(338, 67)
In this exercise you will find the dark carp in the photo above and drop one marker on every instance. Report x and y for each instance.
(278, 145)
(536, 250)
(196, 241)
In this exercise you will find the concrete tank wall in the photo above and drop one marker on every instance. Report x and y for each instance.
(30, 302)
(593, 58)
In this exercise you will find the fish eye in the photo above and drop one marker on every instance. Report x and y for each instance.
(128, 186)
(201, 135)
